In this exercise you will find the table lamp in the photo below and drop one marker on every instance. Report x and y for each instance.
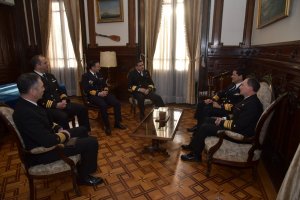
(108, 59)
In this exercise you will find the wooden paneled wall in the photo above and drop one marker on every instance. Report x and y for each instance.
(19, 39)
(282, 61)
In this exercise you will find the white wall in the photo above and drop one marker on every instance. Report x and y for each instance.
(116, 28)
(287, 29)
(233, 21)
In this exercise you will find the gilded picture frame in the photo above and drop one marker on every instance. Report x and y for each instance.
(270, 11)
(109, 11)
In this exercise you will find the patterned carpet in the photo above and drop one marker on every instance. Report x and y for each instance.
(129, 174)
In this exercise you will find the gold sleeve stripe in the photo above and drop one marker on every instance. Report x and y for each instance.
(93, 92)
(228, 106)
(62, 137)
(133, 88)
(63, 96)
(228, 123)
(49, 104)
(152, 86)
(216, 98)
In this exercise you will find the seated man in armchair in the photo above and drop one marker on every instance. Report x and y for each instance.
(37, 130)
(245, 116)
(56, 101)
(221, 104)
(141, 86)
(94, 85)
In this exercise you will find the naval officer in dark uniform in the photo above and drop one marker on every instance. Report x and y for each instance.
(245, 116)
(142, 87)
(37, 130)
(55, 100)
(94, 85)
(222, 103)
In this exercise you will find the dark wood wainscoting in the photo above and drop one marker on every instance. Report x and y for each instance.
(126, 58)
(222, 59)
(282, 62)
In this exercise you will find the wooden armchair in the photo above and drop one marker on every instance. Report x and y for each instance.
(242, 151)
(64, 167)
(87, 103)
(133, 102)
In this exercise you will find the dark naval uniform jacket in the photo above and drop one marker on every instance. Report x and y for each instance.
(229, 97)
(92, 84)
(136, 80)
(52, 94)
(34, 125)
(245, 116)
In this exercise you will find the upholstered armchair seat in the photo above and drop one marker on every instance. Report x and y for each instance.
(53, 168)
(133, 103)
(226, 153)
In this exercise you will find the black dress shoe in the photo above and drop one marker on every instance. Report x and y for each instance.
(107, 130)
(90, 180)
(120, 126)
(193, 129)
(186, 147)
(191, 157)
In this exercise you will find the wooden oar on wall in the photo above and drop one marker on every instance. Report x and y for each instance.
(115, 38)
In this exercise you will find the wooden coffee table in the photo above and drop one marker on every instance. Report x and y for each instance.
(158, 130)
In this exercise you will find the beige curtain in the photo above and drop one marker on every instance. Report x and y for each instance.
(73, 17)
(153, 10)
(290, 187)
(63, 62)
(192, 26)
(44, 10)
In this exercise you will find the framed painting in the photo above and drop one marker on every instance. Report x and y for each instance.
(270, 11)
(109, 11)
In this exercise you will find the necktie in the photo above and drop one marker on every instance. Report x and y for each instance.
(95, 75)
(45, 77)
(233, 88)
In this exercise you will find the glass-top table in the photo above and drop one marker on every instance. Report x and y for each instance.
(158, 129)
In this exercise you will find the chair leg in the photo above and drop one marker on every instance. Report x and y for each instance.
(31, 189)
(209, 163)
(254, 172)
(75, 185)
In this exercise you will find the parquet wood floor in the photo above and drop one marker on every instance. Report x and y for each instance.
(129, 174)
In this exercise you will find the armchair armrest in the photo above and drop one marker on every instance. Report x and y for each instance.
(39, 150)
(57, 148)
(236, 137)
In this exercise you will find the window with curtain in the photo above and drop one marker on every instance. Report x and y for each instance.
(61, 54)
(170, 63)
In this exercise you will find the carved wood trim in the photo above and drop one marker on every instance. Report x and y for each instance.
(217, 24)
(141, 28)
(131, 23)
(248, 24)
(91, 19)
(83, 25)
(30, 22)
